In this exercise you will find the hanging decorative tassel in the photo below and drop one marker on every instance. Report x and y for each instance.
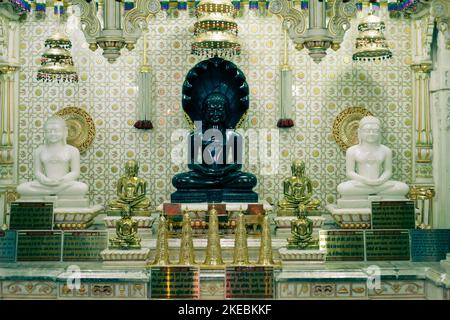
(393, 8)
(182, 5)
(58, 7)
(253, 5)
(304, 4)
(145, 97)
(374, 5)
(23, 5)
(128, 5)
(164, 5)
(40, 6)
(359, 6)
(285, 120)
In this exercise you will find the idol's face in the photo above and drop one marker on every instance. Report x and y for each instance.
(215, 112)
(54, 132)
(131, 169)
(370, 133)
(298, 168)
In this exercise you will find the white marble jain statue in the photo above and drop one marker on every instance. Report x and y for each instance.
(56, 166)
(369, 169)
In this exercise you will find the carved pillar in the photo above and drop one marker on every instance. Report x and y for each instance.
(440, 104)
(423, 142)
(440, 110)
(422, 186)
(9, 100)
(8, 125)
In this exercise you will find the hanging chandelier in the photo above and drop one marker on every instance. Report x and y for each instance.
(56, 62)
(215, 32)
(371, 43)
(106, 24)
(320, 35)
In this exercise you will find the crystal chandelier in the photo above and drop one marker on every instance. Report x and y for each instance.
(371, 43)
(105, 25)
(319, 35)
(56, 62)
(215, 30)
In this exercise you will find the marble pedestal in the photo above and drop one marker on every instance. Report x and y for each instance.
(121, 258)
(446, 264)
(143, 222)
(357, 202)
(213, 195)
(283, 224)
(145, 225)
(356, 213)
(306, 256)
(70, 213)
(351, 218)
(198, 211)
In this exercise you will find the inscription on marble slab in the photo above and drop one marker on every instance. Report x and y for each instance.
(84, 245)
(8, 246)
(393, 215)
(429, 245)
(249, 283)
(39, 245)
(31, 216)
(174, 283)
(342, 245)
(387, 245)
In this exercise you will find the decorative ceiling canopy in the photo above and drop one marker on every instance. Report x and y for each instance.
(104, 25)
(319, 35)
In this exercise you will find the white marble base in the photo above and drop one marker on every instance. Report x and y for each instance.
(230, 206)
(143, 233)
(291, 255)
(446, 264)
(365, 202)
(285, 221)
(116, 257)
(76, 218)
(143, 221)
(351, 218)
(59, 202)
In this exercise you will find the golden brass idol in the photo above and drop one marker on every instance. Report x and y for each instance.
(126, 234)
(297, 191)
(131, 192)
(301, 232)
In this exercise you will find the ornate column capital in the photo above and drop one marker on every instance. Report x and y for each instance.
(422, 67)
(440, 11)
(8, 69)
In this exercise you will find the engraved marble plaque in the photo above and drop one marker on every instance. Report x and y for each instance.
(393, 215)
(31, 216)
(39, 245)
(174, 283)
(8, 246)
(342, 245)
(249, 282)
(387, 245)
(430, 245)
(84, 245)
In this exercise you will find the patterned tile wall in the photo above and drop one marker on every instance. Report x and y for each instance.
(109, 93)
